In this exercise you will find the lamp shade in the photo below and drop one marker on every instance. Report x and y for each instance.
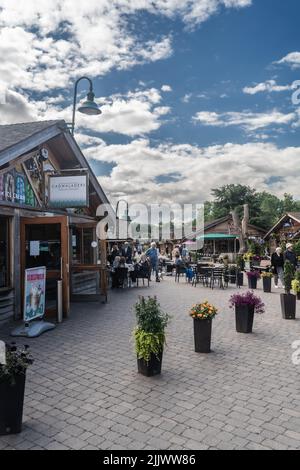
(90, 108)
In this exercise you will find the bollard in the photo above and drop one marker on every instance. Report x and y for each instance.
(59, 302)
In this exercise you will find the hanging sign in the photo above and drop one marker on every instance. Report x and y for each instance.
(68, 191)
(34, 293)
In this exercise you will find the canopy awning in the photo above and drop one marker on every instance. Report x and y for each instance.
(217, 236)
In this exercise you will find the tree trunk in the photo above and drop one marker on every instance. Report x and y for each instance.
(241, 227)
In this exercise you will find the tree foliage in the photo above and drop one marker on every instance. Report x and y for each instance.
(265, 208)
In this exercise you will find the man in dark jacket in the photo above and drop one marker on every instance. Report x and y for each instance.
(290, 255)
(127, 253)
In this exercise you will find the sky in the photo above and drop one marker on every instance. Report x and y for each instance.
(194, 93)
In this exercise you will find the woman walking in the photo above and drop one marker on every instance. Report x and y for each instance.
(277, 262)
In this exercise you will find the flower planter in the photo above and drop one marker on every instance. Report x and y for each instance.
(244, 317)
(202, 335)
(152, 367)
(240, 279)
(288, 306)
(267, 284)
(252, 282)
(11, 406)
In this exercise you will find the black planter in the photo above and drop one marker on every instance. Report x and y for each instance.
(267, 284)
(202, 335)
(298, 295)
(288, 306)
(240, 279)
(252, 282)
(244, 317)
(11, 406)
(151, 368)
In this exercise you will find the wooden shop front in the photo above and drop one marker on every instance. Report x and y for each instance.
(33, 233)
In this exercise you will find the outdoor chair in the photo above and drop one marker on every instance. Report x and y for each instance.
(143, 275)
(122, 277)
(201, 275)
(217, 278)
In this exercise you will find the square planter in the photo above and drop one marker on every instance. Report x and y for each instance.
(244, 317)
(288, 306)
(252, 282)
(267, 284)
(202, 335)
(151, 368)
(11, 406)
(240, 279)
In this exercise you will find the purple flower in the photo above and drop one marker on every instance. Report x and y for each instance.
(248, 298)
(253, 274)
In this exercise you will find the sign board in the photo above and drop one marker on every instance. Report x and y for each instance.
(34, 293)
(68, 191)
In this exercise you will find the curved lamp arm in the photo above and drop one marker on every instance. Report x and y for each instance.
(75, 98)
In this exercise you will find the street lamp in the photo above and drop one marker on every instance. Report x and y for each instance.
(89, 106)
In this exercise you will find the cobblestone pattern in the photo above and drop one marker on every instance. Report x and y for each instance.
(83, 391)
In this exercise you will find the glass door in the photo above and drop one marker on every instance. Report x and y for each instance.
(44, 242)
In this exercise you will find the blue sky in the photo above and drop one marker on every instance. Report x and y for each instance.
(191, 91)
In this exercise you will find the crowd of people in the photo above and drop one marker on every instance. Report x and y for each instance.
(278, 259)
(133, 261)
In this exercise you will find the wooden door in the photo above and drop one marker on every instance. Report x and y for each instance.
(51, 237)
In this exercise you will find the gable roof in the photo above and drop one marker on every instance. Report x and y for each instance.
(13, 134)
(18, 139)
(291, 215)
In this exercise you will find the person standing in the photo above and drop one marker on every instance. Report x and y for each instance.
(127, 253)
(153, 256)
(290, 255)
(277, 262)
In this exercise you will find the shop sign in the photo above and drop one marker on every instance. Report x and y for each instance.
(68, 191)
(15, 188)
(34, 294)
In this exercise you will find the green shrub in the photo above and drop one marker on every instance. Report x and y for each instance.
(149, 333)
(289, 274)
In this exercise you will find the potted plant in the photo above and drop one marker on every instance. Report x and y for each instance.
(149, 335)
(288, 300)
(253, 277)
(203, 314)
(267, 281)
(247, 258)
(296, 285)
(12, 388)
(246, 305)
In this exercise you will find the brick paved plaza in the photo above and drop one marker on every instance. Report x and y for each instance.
(83, 391)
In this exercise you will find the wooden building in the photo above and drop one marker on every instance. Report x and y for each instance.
(221, 236)
(286, 229)
(32, 232)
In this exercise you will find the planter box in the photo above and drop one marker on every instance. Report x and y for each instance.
(288, 306)
(11, 406)
(298, 295)
(252, 282)
(202, 335)
(267, 284)
(151, 368)
(244, 317)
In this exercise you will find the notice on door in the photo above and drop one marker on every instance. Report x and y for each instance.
(35, 248)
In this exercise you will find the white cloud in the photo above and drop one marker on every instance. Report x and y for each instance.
(247, 120)
(292, 59)
(97, 37)
(135, 114)
(166, 88)
(269, 86)
(138, 165)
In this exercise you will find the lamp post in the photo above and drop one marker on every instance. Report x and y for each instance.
(89, 106)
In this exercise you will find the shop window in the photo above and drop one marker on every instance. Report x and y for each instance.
(4, 253)
(83, 249)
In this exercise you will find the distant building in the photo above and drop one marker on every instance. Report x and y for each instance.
(286, 229)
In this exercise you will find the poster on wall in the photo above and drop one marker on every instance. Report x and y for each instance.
(34, 293)
(68, 191)
(15, 188)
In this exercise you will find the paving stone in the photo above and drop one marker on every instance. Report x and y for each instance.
(84, 392)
